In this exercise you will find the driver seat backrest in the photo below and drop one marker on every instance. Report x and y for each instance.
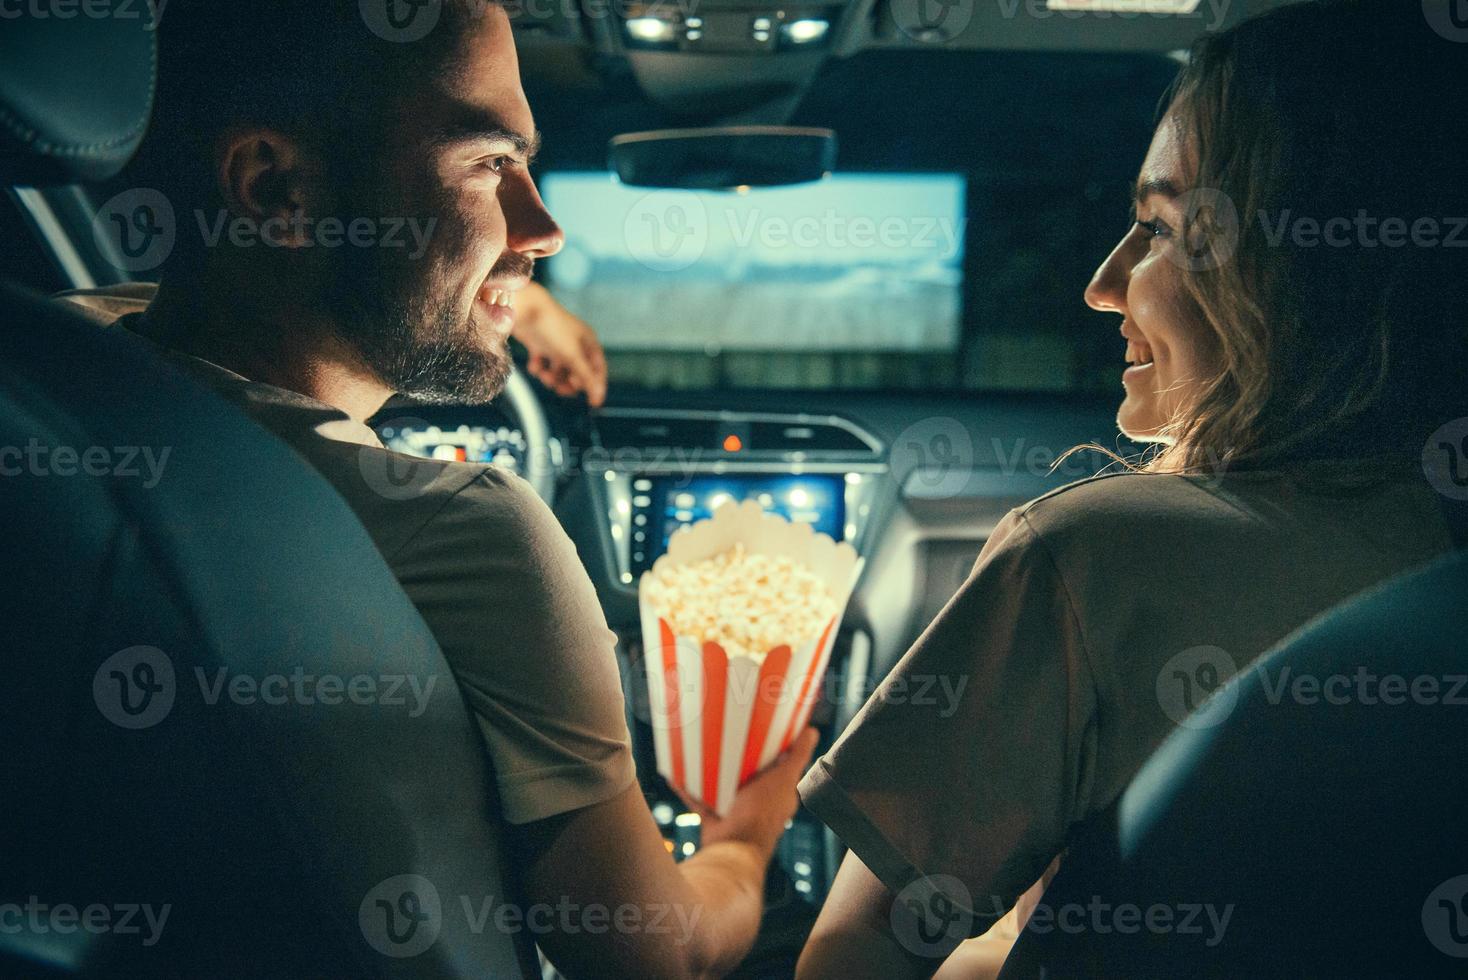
(184, 795)
(1323, 819)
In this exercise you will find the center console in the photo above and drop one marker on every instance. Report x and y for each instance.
(648, 473)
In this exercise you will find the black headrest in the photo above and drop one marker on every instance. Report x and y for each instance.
(76, 88)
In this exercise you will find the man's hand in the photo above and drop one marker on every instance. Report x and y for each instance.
(611, 856)
(565, 354)
(763, 805)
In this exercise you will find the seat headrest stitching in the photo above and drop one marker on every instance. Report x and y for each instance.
(31, 137)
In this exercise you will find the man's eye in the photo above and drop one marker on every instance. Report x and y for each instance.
(499, 164)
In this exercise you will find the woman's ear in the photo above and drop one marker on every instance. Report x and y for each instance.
(265, 181)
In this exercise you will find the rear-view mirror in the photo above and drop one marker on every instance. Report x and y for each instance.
(723, 158)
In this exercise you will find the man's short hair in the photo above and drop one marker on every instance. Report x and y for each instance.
(317, 70)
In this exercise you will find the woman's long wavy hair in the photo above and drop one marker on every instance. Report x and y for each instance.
(1347, 112)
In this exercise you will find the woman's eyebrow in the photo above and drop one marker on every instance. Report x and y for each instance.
(1149, 188)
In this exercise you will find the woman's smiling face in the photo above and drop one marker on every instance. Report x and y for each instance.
(1170, 347)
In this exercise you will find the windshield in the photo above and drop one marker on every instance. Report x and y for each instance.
(857, 263)
(831, 284)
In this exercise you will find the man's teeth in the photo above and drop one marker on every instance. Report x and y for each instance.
(500, 297)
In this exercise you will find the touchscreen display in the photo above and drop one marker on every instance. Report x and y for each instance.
(661, 505)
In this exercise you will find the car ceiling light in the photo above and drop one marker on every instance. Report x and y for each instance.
(807, 30)
(1127, 6)
(653, 30)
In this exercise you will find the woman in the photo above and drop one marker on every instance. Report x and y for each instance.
(1292, 350)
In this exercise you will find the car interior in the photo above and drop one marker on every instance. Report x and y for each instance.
(899, 385)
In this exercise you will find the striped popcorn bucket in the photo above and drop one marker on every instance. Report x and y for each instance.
(718, 719)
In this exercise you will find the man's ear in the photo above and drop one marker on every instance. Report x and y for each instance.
(267, 179)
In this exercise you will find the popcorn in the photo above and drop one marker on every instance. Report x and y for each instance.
(738, 622)
(747, 603)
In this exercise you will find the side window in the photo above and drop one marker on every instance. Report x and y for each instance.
(26, 260)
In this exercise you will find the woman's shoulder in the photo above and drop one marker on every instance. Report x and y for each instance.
(1236, 512)
(1118, 500)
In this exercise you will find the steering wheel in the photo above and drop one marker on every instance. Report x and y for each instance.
(520, 403)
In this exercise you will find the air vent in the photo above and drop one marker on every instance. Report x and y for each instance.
(657, 432)
(808, 437)
(736, 434)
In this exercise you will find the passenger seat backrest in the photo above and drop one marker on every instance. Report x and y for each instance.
(1315, 804)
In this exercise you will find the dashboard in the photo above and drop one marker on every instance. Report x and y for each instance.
(450, 438)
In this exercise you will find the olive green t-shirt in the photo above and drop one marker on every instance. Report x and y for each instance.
(499, 584)
(1093, 619)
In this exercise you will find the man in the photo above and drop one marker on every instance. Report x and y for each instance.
(280, 115)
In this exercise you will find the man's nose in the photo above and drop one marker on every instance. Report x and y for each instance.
(530, 230)
(1107, 289)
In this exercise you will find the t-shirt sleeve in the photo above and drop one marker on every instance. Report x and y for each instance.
(972, 758)
(501, 587)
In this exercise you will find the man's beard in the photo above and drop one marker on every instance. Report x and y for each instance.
(417, 343)
(433, 356)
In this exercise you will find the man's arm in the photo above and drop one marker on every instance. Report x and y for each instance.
(854, 939)
(662, 919)
(565, 354)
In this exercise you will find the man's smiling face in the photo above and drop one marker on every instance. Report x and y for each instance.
(453, 155)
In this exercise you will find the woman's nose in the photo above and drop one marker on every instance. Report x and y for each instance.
(1107, 289)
